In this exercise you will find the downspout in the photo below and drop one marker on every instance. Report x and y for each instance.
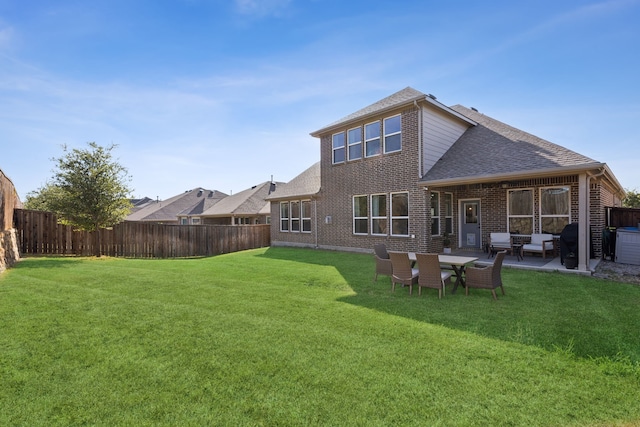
(420, 172)
(587, 246)
(315, 216)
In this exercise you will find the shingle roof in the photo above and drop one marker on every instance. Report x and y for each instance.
(168, 210)
(405, 96)
(248, 202)
(304, 185)
(492, 149)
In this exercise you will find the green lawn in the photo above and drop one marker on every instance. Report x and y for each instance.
(281, 336)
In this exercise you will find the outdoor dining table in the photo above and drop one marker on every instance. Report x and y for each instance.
(457, 263)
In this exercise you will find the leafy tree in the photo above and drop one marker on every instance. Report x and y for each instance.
(89, 190)
(632, 199)
(42, 198)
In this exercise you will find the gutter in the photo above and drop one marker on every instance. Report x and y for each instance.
(536, 173)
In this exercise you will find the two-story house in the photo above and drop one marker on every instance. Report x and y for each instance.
(407, 168)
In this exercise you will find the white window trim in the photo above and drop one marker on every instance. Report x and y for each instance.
(385, 134)
(304, 218)
(285, 218)
(358, 142)
(392, 217)
(334, 149)
(353, 212)
(386, 214)
(532, 215)
(540, 216)
(436, 215)
(379, 138)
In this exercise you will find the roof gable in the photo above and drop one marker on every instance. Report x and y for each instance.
(168, 210)
(248, 202)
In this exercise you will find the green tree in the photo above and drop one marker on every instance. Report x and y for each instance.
(89, 190)
(42, 199)
(632, 199)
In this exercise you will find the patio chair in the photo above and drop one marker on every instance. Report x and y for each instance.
(430, 275)
(383, 263)
(402, 271)
(540, 243)
(487, 277)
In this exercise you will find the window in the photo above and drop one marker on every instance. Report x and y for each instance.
(338, 147)
(520, 211)
(379, 214)
(392, 135)
(354, 142)
(400, 214)
(294, 213)
(195, 221)
(284, 216)
(372, 139)
(435, 213)
(360, 215)
(184, 221)
(447, 202)
(555, 209)
(306, 216)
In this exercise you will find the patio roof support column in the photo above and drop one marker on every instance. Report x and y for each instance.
(583, 222)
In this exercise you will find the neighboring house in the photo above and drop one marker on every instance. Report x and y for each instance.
(138, 204)
(407, 168)
(178, 209)
(243, 208)
(294, 205)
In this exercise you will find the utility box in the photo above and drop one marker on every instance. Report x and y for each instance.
(628, 245)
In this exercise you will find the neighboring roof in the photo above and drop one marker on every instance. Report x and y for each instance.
(212, 198)
(248, 202)
(494, 150)
(405, 96)
(168, 210)
(306, 184)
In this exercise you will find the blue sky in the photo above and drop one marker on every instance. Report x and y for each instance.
(223, 94)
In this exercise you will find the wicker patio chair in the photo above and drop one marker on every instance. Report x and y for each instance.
(402, 271)
(487, 277)
(430, 274)
(383, 262)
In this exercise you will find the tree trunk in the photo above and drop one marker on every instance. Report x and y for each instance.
(97, 249)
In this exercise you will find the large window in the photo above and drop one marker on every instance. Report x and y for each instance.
(284, 216)
(435, 213)
(379, 214)
(400, 214)
(360, 215)
(447, 203)
(372, 139)
(295, 214)
(306, 216)
(555, 209)
(520, 211)
(392, 135)
(354, 142)
(338, 148)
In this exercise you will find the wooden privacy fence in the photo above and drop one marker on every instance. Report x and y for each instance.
(40, 234)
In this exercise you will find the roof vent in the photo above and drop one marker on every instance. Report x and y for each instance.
(474, 109)
(432, 96)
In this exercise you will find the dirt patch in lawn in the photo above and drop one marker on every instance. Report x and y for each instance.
(627, 273)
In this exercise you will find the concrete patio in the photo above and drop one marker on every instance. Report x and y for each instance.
(529, 262)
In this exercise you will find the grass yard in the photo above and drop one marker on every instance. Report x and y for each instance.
(282, 336)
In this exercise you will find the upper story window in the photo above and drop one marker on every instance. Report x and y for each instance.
(338, 148)
(379, 214)
(372, 139)
(354, 142)
(392, 134)
(555, 209)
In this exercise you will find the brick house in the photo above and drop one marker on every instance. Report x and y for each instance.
(407, 168)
